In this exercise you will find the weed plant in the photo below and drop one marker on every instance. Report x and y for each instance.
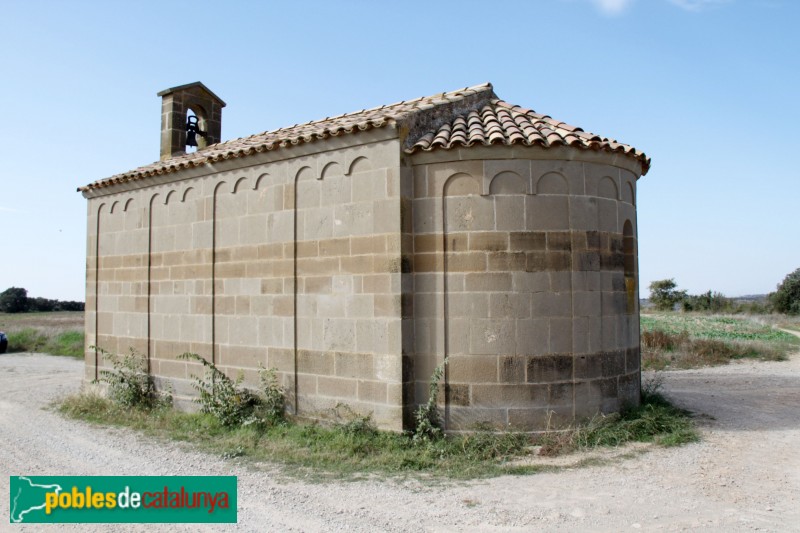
(129, 384)
(353, 446)
(231, 403)
(428, 424)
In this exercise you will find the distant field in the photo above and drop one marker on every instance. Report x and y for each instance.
(737, 328)
(669, 340)
(58, 333)
(691, 340)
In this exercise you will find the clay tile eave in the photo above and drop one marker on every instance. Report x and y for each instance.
(496, 123)
(347, 123)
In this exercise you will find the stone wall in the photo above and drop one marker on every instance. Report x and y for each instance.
(520, 279)
(292, 264)
(354, 271)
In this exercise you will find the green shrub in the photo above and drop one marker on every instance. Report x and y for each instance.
(129, 384)
(272, 405)
(234, 405)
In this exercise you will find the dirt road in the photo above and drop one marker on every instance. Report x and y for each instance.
(743, 476)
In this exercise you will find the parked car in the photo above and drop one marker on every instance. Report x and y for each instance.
(3, 342)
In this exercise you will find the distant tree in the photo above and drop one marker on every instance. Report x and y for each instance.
(41, 305)
(664, 294)
(70, 305)
(708, 301)
(786, 299)
(14, 300)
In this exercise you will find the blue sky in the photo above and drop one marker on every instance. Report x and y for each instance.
(708, 88)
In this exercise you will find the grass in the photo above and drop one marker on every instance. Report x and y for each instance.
(59, 333)
(354, 448)
(340, 450)
(789, 322)
(655, 420)
(790, 326)
(693, 340)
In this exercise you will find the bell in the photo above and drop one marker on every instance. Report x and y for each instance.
(192, 130)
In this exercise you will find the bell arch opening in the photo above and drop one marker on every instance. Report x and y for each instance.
(196, 128)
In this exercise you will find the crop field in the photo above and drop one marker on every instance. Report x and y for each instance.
(715, 327)
(691, 340)
(58, 333)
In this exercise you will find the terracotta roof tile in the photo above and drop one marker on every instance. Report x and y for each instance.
(499, 122)
(474, 116)
(366, 119)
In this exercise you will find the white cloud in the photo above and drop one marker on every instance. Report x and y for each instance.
(697, 5)
(612, 7)
(618, 7)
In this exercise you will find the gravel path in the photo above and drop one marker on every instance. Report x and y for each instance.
(743, 476)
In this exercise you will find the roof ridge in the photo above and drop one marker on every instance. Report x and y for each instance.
(420, 122)
(447, 94)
